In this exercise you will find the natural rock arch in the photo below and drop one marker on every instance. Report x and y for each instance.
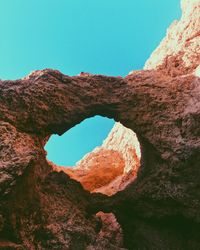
(107, 168)
(161, 104)
(135, 101)
(165, 124)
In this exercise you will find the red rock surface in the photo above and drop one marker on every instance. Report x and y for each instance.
(41, 208)
(100, 169)
(111, 167)
(111, 229)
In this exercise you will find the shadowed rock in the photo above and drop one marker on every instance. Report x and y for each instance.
(43, 209)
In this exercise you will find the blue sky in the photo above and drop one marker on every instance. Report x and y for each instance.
(109, 37)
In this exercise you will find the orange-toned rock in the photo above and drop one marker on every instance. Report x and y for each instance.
(98, 169)
(41, 208)
(111, 167)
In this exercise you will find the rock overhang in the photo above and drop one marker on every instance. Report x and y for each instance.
(161, 104)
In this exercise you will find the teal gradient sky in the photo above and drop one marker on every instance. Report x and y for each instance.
(97, 36)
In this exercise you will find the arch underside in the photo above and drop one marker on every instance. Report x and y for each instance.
(161, 104)
(166, 125)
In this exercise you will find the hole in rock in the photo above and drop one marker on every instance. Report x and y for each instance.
(105, 155)
(68, 149)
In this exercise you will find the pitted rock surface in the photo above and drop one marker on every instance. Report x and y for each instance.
(41, 208)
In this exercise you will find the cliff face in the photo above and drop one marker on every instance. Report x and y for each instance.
(42, 208)
(178, 53)
(111, 167)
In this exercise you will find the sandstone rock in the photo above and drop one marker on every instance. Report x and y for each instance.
(111, 167)
(42, 208)
(111, 229)
(101, 169)
(178, 53)
(125, 141)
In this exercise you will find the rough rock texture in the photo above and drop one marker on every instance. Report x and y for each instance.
(41, 208)
(101, 169)
(125, 141)
(110, 167)
(111, 229)
(178, 53)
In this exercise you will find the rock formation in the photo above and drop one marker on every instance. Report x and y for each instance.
(178, 53)
(42, 208)
(110, 167)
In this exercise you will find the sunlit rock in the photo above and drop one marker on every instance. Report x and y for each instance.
(41, 207)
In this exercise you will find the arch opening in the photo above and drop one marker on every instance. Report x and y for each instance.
(108, 166)
(70, 147)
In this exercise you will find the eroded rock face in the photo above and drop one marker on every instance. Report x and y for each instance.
(178, 53)
(110, 167)
(41, 208)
